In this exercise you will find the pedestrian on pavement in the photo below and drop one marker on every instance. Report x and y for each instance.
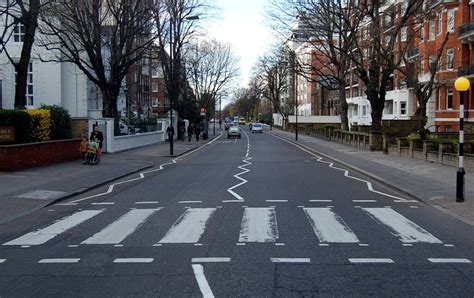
(197, 132)
(83, 147)
(170, 132)
(97, 134)
(182, 132)
(190, 132)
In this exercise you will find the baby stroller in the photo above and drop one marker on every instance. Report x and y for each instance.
(92, 157)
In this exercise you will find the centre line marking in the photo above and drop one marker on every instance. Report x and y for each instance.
(276, 201)
(290, 260)
(104, 203)
(449, 245)
(370, 260)
(202, 281)
(147, 202)
(320, 201)
(73, 246)
(210, 260)
(133, 260)
(59, 261)
(364, 201)
(450, 260)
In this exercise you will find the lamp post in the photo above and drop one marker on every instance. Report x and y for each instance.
(462, 85)
(171, 75)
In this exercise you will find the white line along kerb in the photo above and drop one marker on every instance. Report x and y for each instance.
(142, 174)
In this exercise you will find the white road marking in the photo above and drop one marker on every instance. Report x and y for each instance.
(407, 244)
(3, 260)
(246, 162)
(290, 260)
(50, 210)
(189, 202)
(320, 201)
(117, 231)
(364, 201)
(104, 203)
(198, 244)
(25, 246)
(276, 201)
(146, 202)
(73, 246)
(118, 245)
(449, 245)
(45, 234)
(346, 173)
(189, 227)
(450, 260)
(414, 207)
(41, 194)
(210, 260)
(280, 244)
(400, 226)
(259, 225)
(59, 261)
(202, 281)
(323, 244)
(329, 227)
(240, 244)
(158, 244)
(370, 260)
(363, 244)
(133, 260)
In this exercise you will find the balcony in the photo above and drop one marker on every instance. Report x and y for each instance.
(466, 33)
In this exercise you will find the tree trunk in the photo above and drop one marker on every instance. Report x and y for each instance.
(422, 118)
(344, 107)
(109, 102)
(377, 106)
(30, 20)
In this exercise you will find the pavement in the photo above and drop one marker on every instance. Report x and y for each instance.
(23, 192)
(434, 184)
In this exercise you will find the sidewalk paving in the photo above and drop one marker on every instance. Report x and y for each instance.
(25, 191)
(431, 183)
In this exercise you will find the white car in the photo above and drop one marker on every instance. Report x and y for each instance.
(257, 127)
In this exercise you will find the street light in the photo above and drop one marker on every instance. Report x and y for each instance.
(171, 74)
(462, 85)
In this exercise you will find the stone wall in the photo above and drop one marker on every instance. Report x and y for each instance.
(23, 156)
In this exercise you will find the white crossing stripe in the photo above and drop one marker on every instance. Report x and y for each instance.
(400, 226)
(370, 260)
(290, 260)
(43, 235)
(3, 260)
(210, 260)
(117, 231)
(133, 260)
(449, 260)
(329, 227)
(259, 225)
(189, 227)
(59, 261)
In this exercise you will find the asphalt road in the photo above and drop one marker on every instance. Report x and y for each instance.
(255, 216)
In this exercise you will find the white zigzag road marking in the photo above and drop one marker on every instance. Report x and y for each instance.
(237, 176)
(142, 174)
(346, 173)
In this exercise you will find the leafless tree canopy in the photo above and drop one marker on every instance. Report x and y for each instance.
(102, 37)
(212, 66)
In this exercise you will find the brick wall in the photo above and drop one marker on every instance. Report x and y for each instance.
(23, 156)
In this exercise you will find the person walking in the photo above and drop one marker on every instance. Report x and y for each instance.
(182, 132)
(197, 132)
(97, 134)
(170, 133)
(190, 132)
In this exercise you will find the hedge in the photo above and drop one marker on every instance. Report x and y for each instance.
(20, 120)
(61, 127)
(40, 125)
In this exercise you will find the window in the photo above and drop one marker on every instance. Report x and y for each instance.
(450, 21)
(440, 23)
(432, 64)
(422, 32)
(29, 85)
(449, 98)
(154, 87)
(388, 107)
(364, 110)
(403, 33)
(403, 108)
(449, 58)
(355, 111)
(432, 30)
(18, 32)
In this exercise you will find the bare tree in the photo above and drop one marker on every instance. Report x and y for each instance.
(328, 29)
(211, 67)
(21, 16)
(104, 38)
(174, 20)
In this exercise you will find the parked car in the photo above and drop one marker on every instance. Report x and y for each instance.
(257, 127)
(233, 132)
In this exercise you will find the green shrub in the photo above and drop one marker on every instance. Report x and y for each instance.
(20, 120)
(61, 127)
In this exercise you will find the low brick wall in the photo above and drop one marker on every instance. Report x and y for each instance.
(23, 156)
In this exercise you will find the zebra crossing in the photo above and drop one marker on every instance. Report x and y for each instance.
(258, 225)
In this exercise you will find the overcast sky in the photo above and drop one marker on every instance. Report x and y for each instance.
(242, 23)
